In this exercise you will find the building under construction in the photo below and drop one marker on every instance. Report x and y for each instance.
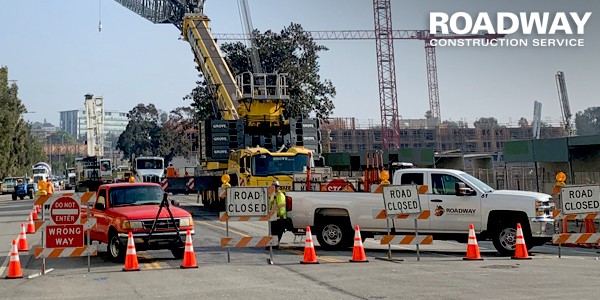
(353, 135)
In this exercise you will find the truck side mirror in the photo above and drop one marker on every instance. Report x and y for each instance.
(462, 189)
(99, 206)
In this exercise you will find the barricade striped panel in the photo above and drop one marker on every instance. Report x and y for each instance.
(576, 238)
(270, 217)
(66, 252)
(83, 198)
(381, 214)
(591, 216)
(249, 241)
(406, 240)
(190, 184)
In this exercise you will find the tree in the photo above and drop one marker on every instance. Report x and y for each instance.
(292, 51)
(588, 121)
(490, 122)
(428, 114)
(19, 150)
(142, 134)
(61, 137)
(523, 122)
(177, 134)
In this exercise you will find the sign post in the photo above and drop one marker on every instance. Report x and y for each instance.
(401, 200)
(248, 204)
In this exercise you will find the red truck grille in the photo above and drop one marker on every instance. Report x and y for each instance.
(160, 224)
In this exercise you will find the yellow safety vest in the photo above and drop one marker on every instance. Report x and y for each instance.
(279, 199)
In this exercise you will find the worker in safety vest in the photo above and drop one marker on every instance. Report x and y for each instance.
(49, 187)
(277, 202)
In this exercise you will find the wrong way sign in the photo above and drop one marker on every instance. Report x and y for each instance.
(580, 199)
(59, 236)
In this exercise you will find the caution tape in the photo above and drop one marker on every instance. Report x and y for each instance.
(249, 241)
(381, 214)
(272, 216)
(406, 240)
(66, 252)
(576, 238)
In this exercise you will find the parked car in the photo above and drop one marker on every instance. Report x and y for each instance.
(8, 185)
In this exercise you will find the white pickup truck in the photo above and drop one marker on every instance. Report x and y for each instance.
(454, 198)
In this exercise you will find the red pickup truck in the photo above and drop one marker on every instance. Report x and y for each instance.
(120, 208)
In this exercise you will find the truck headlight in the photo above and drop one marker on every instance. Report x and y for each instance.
(132, 225)
(185, 222)
(543, 207)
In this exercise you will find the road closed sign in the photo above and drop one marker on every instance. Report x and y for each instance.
(580, 199)
(247, 202)
(401, 199)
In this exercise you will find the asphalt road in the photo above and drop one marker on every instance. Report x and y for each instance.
(440, 273)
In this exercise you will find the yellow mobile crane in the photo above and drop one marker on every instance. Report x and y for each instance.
(249, 132)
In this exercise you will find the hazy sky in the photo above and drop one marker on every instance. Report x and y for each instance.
(55, 52)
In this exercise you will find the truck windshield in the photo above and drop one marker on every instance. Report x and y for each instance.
(268, 165)
(39, 171)
(135, 195)
(144, 163)
(478, 183)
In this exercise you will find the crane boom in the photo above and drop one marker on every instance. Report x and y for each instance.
(249, 30)
(94, 108)
(563, 97)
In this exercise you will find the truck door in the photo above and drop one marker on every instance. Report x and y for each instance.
(449, 211)
(100, 231)
(404, 225)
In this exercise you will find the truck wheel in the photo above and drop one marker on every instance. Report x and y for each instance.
(116, 249)
(334, 233)
(504, 237)
(178, 252)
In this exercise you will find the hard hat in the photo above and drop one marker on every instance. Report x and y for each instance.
(276, 183)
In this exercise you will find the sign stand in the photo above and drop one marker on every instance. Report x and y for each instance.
(387, 224)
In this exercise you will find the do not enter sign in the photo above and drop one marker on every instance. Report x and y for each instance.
(64, 211)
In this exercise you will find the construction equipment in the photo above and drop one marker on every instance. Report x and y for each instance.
(536, 124)
(563, 97)
(93, 170)
(249, 119)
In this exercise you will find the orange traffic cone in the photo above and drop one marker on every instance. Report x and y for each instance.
(23, 239)
(189, 257)
(520, 247)
(34, 213)
(472, 247)
(131, 261)
(14, 265)
(358, 252)
(30, 225)
(310, 256)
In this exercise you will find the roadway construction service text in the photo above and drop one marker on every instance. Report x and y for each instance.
(462, 29)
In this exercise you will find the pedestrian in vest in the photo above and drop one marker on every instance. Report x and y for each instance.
(49, 187)
(277, 202)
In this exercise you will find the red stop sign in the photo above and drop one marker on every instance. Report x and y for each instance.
(336, 185)
(65, 210)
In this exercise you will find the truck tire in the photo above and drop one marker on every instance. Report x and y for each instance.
(504, 237)
(116, 249)
(334, 233)
(178, 252)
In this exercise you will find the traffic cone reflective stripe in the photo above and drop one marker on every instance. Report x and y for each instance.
(310, 256)
(189, 257)
(520, 247)
(131, 261)
(472, 247)
(23, 239)
(358, 252)
(30, 225)
(14, 265)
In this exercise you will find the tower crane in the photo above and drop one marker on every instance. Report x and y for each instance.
(387, 85)
(537, 119)
(563, 97)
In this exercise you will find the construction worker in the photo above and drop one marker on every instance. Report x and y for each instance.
(277, 202)
(49, 187)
